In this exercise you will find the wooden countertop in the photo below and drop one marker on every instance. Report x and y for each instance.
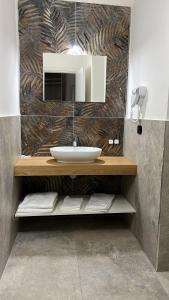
(47, 166)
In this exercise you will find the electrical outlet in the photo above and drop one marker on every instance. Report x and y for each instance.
(111, 142)
(116, 141)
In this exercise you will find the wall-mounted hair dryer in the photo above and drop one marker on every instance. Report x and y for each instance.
(138, 96)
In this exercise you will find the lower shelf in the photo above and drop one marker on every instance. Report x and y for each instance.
(119, 206)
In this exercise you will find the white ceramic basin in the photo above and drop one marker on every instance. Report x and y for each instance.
(75, 154)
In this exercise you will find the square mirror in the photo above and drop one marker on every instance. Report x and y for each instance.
(80, 78)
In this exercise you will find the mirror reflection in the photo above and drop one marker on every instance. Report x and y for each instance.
(80, 78)
(60, 86)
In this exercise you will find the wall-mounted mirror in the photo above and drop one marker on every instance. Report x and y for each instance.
(79, 78)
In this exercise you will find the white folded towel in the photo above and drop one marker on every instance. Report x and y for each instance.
(24, 211)
(71, 203)
(38, 201)
(99, 202)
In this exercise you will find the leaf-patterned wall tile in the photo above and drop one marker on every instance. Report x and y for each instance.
(44, 26)
(39, 133)
(63, 185)
(104, 30)
(98, 131)
(86, 185)
(49, 26)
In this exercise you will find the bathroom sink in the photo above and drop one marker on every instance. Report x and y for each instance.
(75, 154)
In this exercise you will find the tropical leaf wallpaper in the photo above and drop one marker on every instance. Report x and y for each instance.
(65, 185)
(49, 26)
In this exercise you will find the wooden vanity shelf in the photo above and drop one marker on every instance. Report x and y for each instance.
(47, 166)
(119, 206)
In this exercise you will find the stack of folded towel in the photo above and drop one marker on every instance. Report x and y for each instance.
(71, 204)
(99, 202)
(41, 203)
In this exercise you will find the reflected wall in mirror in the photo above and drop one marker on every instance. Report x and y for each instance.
(80, 78)
(59, 86)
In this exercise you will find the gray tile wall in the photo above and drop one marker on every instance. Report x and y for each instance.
(163, 251)
(144, 191)
(9, 187)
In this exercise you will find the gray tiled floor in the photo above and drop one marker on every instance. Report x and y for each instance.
(164, 279)
(80, 264)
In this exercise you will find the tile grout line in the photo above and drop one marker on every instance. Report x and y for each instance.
(73, 117)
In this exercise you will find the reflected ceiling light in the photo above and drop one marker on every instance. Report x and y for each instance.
(75, 50)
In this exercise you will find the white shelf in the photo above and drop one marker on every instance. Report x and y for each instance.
(119, 206)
